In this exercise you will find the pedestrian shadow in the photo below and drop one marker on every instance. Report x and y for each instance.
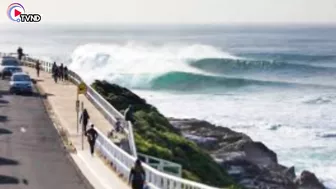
(3, 118)
(37, 80)
(6, 161)
(45, 95)
(4, 131)
(3, 101)
(8, 180)
(4, 179)
(4, 92)
(35, 94)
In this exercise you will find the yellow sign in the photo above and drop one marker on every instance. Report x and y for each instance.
(81, 88)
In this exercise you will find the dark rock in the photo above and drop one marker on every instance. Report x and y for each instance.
(250, 163)
(308, 180)
(219, 140)
(290, 172)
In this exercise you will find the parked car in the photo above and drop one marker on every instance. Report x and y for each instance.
(7, 64)
(21, 82)
(8, 71)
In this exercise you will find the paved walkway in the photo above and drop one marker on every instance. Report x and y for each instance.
(62, 98)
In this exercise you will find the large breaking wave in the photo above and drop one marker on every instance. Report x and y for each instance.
(178, 66)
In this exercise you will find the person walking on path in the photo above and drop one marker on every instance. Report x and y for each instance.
(92, 136)
(137, 176)
(54, 71)
(66, 73)
(37, 68)
(84, 119)
(61, 72)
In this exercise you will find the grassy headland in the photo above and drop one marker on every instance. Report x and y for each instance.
(155, 136)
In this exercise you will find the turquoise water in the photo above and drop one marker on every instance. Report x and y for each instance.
(276, 84)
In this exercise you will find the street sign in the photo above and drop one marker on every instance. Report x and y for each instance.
(81, 88)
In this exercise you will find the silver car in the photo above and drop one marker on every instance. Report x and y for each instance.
(21, 83)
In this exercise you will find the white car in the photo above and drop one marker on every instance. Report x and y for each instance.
(21, 82)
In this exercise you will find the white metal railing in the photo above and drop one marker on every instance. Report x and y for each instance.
(122, 162)
(162, 165)
(120, 159)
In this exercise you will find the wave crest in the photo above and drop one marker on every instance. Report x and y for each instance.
(173, 66)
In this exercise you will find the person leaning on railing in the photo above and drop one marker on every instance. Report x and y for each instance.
(117, 129)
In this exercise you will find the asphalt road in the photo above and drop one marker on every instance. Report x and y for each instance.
(31, 155)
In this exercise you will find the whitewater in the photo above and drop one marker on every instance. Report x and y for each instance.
(275, 84)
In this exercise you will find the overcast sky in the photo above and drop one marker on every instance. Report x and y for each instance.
(180, 11)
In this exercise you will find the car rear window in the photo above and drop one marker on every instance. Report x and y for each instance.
(14, 69)
(21, 78)
(9, 62)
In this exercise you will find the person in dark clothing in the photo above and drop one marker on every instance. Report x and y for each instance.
(129, 114)
(66, 73)
(117, 129)
(61, 72)
(55, 75)
(84, 119)
(53, 68)
(54, 71)
(37, 68)
(137, 176)
(92, 136)
(20, 53)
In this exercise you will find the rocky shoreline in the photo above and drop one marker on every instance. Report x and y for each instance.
(252, 164)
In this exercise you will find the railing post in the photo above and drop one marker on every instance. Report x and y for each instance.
(131, 139)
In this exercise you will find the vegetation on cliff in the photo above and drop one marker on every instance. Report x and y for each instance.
(155, 136)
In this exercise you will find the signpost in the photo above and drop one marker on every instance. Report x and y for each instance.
(81, 89)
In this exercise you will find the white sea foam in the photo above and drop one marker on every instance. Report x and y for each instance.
(138, 62)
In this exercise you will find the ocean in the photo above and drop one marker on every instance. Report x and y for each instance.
(274, 83)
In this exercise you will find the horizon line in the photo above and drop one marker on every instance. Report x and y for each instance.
(177, 24)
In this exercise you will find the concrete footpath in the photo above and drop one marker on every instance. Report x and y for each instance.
(62, 98)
